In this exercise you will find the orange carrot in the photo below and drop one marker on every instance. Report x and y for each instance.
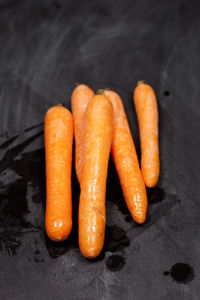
(80, 98)
(58, 154)
(147, 114)
(97, 143)
(126, 161)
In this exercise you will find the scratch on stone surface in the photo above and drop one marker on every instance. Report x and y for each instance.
(91, 282)
(96, 210)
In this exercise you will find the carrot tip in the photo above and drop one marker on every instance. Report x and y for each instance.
(59, 104)
(77, 83)
(140, 82)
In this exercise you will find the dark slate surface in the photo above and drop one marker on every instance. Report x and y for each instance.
(47, 46)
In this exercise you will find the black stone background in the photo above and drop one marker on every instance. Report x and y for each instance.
(47, 46)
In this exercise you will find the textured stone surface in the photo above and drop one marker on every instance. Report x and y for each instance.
(47, 46)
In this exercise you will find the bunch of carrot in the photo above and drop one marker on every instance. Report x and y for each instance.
(100, 125)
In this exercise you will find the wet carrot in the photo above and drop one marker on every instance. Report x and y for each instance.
(81, 95)
(58, 154)
(126, 161)
(97, 143)
(147, 114)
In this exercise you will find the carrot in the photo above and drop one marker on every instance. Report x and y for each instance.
(81, 95)
(126, 161)
(97, 143)
(147, 114)
(58, 154)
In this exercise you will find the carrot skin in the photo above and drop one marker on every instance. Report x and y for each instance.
(58, 155)
(147, 114)
(126, 161)
(80, 98)
(97, 143)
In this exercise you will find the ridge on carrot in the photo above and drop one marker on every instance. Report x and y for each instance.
(147, 115)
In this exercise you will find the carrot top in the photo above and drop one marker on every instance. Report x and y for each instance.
(140, 82)
(100, 92)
